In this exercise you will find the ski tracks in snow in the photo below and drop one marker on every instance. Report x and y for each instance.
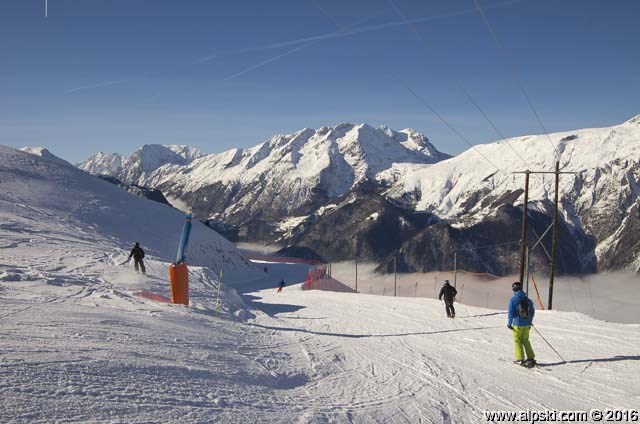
(377, 359)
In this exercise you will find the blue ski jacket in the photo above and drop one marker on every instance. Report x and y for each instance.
(514, 317)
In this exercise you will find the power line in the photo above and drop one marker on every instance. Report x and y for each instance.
(444, 121)
(495, 128)
(327, 14)
(503, 52)
(488, 246)
(407, 22)
(296, 48)
(425, 103)
(473, 102)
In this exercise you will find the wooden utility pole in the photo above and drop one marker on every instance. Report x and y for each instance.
(356, 274)
(554, 245)
(455, 268)
(555, 236)
(357, 249)
(523, 245)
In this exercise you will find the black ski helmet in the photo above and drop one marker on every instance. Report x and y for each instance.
(516, 286)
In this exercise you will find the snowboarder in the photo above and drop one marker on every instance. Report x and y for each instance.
(280, 286)
(138, 254)
(449, 292)
(521, 313)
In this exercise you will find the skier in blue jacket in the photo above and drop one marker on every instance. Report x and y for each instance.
(521, 312)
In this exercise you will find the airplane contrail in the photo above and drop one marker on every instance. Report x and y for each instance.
(300, 43)
(101, 84)
(346, 33)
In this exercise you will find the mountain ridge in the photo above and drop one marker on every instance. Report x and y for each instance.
(277, 190)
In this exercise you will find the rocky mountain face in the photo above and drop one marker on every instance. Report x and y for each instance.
(140, 191)
(337, 192)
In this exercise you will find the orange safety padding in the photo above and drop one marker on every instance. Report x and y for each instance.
(179, 277)
(153, 296)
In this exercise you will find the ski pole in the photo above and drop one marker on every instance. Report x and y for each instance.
(564, 361)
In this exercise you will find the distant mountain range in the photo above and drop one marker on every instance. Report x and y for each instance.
(352, 189)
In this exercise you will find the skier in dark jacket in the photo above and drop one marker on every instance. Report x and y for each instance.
(280, 286)
(138, 254)
(449, 292)
(520, 320)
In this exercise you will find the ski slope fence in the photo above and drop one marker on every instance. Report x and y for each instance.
(282, 259)
(603, 296)
(319, 279)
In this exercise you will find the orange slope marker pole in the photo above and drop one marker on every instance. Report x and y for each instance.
(537, 292)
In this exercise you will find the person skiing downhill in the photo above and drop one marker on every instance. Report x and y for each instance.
(521, 313)
(449, 292)
(280, 286)
(138, 254)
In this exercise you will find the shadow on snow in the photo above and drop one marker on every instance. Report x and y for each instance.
(358, 336)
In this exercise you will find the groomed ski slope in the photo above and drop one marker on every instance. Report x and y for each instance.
(389, 359)
(80, 344)
(73, 353)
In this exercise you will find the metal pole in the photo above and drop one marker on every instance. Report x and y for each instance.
(549, 344)
(527, 274)
(395, 275)
(524, 225)
(356, 274)
(555, 237)
(455, 268)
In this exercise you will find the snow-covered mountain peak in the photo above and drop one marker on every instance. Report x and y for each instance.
(153, 156)
(286, 172)
(142, 163)
(103, 163)
(44, 153)
(188, 153)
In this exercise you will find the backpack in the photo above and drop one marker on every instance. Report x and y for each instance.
(523, 308)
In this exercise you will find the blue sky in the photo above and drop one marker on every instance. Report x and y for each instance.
(111, 75)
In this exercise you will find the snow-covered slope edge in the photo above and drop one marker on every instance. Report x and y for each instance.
(54, 200)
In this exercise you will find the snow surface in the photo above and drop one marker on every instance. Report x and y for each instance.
(78, 354)
(80, 344)
(39, 191)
